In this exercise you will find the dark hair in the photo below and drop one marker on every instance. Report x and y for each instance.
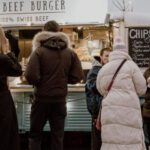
(105, 49)
(52, 26)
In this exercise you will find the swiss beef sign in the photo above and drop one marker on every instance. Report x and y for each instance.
(139, 45)
(37, 12)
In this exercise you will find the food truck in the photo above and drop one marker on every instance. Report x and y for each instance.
(85, 22)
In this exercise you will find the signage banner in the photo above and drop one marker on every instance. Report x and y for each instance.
(37, 12)
(139, 45)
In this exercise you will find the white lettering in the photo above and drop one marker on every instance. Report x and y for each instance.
(139, 33)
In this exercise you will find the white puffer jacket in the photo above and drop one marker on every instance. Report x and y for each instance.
(121, 113)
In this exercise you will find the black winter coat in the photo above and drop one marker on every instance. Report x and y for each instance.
(93, 97)
(8, 120)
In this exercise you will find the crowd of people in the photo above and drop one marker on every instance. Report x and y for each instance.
(51, 67)
(113, 89)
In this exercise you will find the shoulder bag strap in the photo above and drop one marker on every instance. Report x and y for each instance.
(113, 78)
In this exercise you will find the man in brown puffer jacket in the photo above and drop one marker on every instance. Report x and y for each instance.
(51, 67)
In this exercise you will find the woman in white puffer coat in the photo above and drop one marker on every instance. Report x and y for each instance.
(121, 112)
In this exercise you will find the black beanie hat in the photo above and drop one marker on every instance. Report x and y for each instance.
(52, 26)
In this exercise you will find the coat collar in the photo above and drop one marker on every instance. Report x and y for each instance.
(119, 55)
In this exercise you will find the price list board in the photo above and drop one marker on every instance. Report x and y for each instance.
(139, 45)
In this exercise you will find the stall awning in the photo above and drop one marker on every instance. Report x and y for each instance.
(36, 12)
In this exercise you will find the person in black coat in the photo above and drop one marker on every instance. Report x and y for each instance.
(93, 97)
(9, 66)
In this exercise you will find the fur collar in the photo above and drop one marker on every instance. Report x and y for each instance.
(44, 35)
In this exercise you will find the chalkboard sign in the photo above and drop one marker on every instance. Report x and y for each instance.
(139, 45)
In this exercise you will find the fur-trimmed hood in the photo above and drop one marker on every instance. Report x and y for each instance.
(54, 40)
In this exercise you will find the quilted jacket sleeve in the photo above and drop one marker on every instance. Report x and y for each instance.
(138, 80)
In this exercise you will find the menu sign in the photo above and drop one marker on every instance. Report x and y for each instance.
(139, 45)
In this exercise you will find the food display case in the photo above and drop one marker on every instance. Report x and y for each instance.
(78, 118)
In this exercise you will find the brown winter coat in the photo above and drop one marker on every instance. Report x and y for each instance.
(52, 66)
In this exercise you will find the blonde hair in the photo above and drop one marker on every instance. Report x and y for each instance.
(3, 39)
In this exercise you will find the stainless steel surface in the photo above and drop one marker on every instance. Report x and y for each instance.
(29, 88)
